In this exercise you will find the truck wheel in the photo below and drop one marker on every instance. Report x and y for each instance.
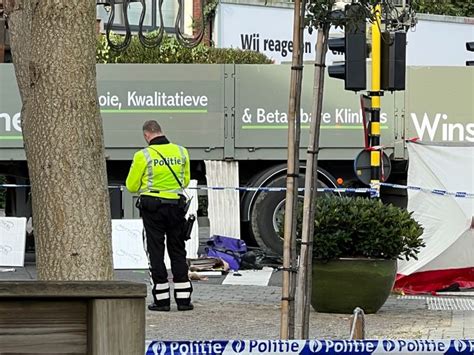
(248, 199)
(267, 210)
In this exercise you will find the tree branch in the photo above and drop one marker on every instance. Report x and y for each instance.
(19, 15)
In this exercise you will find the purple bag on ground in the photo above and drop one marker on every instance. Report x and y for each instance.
(228, 249)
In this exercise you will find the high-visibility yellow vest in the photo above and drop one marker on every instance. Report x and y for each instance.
(149, 175)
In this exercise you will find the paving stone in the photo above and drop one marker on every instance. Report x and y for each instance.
(253, 312)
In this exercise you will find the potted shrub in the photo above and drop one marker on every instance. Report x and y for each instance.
(357, 242)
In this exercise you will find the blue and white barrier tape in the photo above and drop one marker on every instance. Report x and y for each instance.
(363, 190)
(433, 191)
(223, 188)
(121, 187)
(224, 347)
(282, 189)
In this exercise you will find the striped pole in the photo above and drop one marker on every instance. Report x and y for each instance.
(375, 94)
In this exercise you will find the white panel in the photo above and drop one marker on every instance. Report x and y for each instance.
(12, 241)
(127, 244)
(431, 43)
(223, 205)
(188, 17)
(268, 37)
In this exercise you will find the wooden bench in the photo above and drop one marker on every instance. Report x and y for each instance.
(89, 317)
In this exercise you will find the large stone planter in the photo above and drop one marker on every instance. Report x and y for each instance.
(91, 317)
(339, 286)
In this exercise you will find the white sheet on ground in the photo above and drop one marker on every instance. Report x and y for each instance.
(249, 277)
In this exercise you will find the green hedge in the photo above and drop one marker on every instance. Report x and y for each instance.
(445, 7)
(170, 51)
(356, 227)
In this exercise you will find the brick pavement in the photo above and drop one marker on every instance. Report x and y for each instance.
(253, 312)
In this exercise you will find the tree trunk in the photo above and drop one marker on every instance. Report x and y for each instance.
(303, 302)
(19, 14)
(287, 325)
(63, 137)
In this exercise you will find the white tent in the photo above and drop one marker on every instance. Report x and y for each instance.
(448, 257)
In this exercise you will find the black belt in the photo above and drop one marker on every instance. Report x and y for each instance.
(165, 201)
(168, 201)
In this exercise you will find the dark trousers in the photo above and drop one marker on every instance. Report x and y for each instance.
(160, 219)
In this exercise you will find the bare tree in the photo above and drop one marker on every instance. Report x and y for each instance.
(287, 325)
(53, 48)
(303, 301)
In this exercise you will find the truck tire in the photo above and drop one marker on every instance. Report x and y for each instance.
(248, 199)
(264, 210)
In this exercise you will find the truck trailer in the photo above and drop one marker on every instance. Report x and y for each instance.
(238, 113)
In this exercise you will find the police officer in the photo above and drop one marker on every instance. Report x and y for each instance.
(158, 173)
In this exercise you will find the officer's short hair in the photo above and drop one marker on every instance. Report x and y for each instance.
(152, 126)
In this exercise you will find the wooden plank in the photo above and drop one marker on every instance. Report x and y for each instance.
(43, 327)
(117, 326)
(74, 289)
(357, 325)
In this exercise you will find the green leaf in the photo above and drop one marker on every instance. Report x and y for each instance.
(170, 51)
(355, 227)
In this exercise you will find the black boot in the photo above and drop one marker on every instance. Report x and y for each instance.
(185, 307)
(182, 295)
(161, 298)
(155, 307)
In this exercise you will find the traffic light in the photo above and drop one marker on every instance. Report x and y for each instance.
(393, 60)
(354, 47)
(470, 48)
